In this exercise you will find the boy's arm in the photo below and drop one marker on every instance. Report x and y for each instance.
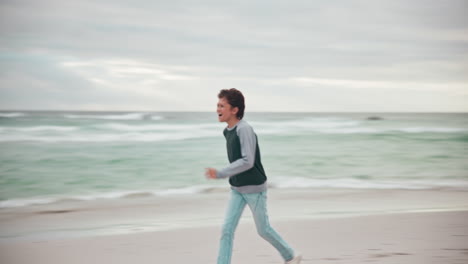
(248, 144)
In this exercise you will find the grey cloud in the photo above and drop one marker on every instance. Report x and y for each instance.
(243, 43)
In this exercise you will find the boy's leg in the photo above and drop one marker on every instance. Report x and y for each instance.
(234, 212)
(258, 204)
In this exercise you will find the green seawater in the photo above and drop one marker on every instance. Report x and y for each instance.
(88, 155)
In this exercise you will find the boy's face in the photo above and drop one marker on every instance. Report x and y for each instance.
(225, 111)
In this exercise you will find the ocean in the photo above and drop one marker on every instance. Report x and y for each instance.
(47, 157)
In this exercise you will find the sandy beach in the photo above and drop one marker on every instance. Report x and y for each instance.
(327, 226)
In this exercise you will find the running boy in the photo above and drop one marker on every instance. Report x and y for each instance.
(246, 177)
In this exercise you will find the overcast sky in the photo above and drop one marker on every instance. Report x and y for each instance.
(338, 56)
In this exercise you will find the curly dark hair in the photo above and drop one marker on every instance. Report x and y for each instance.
(235, 99)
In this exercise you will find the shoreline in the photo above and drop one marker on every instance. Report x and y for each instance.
(142, 214)
(416, 238)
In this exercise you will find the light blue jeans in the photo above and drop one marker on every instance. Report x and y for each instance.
(258, 204)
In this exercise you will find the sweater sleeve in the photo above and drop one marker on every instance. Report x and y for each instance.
(248, 144)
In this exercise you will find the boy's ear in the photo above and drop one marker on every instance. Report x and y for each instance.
(235, 110)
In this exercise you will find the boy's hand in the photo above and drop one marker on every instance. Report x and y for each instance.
(210, 173)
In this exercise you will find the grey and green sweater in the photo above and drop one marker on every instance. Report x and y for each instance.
(246, 173)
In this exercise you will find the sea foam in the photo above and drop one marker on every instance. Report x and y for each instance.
(277, 183)
(129, 116)
(12, 115)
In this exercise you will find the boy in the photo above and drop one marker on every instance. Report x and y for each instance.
(246, 177)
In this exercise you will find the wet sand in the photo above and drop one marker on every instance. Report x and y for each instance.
(327, 226)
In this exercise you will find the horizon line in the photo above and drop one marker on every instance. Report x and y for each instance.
(198, 111)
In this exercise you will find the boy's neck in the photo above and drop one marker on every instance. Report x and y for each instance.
(231, 123)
